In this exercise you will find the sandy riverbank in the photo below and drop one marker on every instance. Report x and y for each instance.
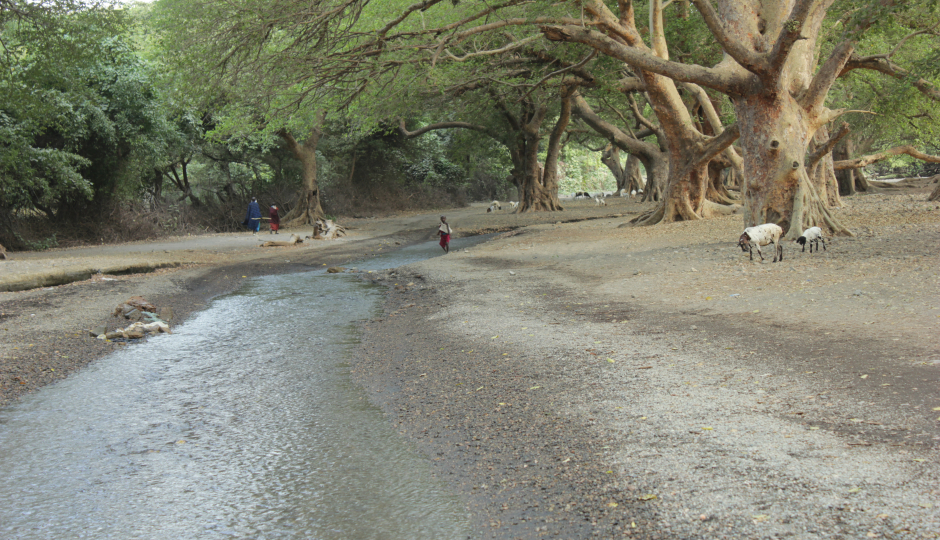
(565, 373)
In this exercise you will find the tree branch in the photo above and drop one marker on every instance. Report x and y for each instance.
(820, 152)
(749, 60)
(818, 89)
(492, 52)
(559, 72)
(717, 145)
(626, 143)
(884, 65)
(789, 34)
(873, 158)
(645, 60)
(443, 125)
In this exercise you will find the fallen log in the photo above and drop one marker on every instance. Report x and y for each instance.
(294, 239)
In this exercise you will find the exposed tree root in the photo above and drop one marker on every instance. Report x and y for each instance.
(307, 210)
(711, 209)
(651, 217)
(935, 196)
(811, 211)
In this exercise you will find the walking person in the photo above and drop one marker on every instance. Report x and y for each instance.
(253, 216)
(444, 231)
(275, 219)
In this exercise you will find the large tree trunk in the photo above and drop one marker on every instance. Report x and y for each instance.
(307, 210)
(540, 186)
(775, 135)
(687, 182)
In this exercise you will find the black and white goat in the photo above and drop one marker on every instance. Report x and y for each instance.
(761, 235)
(599, 200)
(494, 206)
(810, 236)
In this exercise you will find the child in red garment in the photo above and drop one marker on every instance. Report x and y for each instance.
(444, 230)
(275, 220)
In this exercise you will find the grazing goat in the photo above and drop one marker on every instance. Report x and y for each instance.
(497, 205)
(513, 205)
(599, 200)
(581, 195)
(492, 208)
(761, 235)
(810, 236)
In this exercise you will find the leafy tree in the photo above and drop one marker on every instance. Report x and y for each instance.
(80, 114)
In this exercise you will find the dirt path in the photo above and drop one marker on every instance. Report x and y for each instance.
(574, 378)
(588, 380)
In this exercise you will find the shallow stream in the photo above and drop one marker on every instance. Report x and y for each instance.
(243, 423)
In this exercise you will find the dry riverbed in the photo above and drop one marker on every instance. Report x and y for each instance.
(575, 378)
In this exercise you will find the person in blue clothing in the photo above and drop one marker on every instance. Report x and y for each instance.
(253, 217)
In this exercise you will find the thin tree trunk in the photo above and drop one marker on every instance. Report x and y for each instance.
(610, 157)
(633, 176)
(307, 210)
(861, 181)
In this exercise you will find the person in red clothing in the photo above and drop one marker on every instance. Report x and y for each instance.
(444, 230)
(275, 220)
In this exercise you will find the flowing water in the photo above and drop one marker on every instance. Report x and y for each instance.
(243, 423)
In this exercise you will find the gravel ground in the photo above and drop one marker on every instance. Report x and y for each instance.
(586, 380)
(574, 378)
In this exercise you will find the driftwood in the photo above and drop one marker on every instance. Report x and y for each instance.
(326, 230)
(138, 330)
(294, 239)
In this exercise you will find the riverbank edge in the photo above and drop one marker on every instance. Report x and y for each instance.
(502, 460)
(196, 286)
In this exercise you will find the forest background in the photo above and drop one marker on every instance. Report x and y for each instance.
(132, 121)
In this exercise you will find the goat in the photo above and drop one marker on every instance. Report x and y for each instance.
(581, 195)
(492, 208)
(599, 201)
(513, 205)
(810, 236)
(761, 235)
(496, 204)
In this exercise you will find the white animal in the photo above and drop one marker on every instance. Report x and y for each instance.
(810, 236)
(761, 235)
(513, 205)
(599, 200)
(496, 204)
(492, 208)
(623, 193)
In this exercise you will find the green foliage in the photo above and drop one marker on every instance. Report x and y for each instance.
(40, 245)
(79, 115)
